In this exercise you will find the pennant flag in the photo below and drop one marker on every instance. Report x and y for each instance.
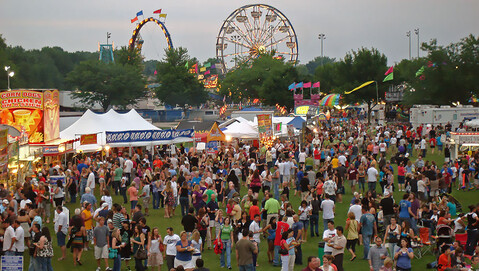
(158, 11)
(139, 13)
(307, 85)
(316, 85)
(155, 73)
(196, 67)
(473, 99)
(292, 86)
(207, 65)
(207, 72)
(390, 70)
(213, 66)
(361, 86)
(134, 19)
(202, 69)
(186, 65)
(163, 15)
(299, 85)
(420, 71)
(389, 77)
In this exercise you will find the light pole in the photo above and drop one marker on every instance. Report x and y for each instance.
(10, 73)
(417, 33)
(108, 36)
(321, 36)
(408, 34)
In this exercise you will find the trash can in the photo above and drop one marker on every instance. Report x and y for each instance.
(321, 251)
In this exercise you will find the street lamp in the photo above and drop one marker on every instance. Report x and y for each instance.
(416, 31)
(321, 36)
(10, 73)
(408, 34)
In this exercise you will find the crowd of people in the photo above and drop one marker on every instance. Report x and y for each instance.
(232, 201)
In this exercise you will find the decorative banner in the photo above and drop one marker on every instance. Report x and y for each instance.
(304, 109)
(12, 263)
(361, 86)
(212, 81)
(216, 134)
(265, 126)
(147, 135)
(34, 111)
(278, 127)
(3, 155)
(88, 139)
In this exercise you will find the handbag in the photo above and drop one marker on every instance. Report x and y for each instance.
(162, 247)
(141, 253)
(112, 253)
(282, 249)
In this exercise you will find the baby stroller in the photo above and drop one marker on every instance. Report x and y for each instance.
(444, 236)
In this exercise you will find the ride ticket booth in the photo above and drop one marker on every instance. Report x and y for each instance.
(463, 142)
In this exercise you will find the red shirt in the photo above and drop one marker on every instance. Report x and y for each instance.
(317, 154)
(280, 228)
(253, 210)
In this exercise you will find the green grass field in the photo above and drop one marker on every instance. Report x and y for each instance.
(156, 219)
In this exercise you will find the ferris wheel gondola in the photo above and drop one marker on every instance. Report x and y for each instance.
(253, 30)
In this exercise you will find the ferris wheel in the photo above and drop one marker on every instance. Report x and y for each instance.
(252, 30)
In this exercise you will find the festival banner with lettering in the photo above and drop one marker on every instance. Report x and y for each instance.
(88, 139)
(3, 155)
(147, 135)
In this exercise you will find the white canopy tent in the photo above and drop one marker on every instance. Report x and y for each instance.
(243, 130)
(474, 123)
(111, 121)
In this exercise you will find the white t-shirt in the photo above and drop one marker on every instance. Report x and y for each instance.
(108, 200)
(128, 166)
(91, 181)
(170, 242)
(174, 186)
(372, 175)
(287, 168)
(421, 186)
(342, 160)
(302, 157)
(382, 147)
(305, 212)
(328, 209)
(7, 238)
(423, 144)
(357, 211)
(254, 227)
(281, 168)
(62, 220)
(393, 141)
(20, 239)
(328, 234)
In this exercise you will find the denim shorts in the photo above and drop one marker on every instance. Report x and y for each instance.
(61, 239)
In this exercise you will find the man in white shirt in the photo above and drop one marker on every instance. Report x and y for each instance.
(91, 179)
(302, 156)
(288, 166)
(61, 229)
(342, 160)
(128, 166)
(19, 238)
(328, 235)
(8, 239)
(327, 206)
(356, 209)
(170, 241)
(256, 229)
(372, 177)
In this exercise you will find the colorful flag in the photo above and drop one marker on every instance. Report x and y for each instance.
(139, 13)
(213, 66)
(420, 71)
(134, 19)
(307, 85)
(389, 77)
(155, 73)
(202, 69)
(361, 86)
(157, 11)
(299, 85)
(207, 72)
(207, 65)
(186, 64)
(390, 70)
(316, 85)
(292, 86)
(163, 15)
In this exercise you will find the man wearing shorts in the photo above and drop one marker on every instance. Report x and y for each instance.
(100, 239)
(61, 229)
(88, 220)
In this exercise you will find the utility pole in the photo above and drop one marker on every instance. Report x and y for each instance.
(417, 33)
(408, 34)
(321, 36)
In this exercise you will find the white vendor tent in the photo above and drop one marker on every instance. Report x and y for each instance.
(241, 128)
(112, 121)
(474, 123)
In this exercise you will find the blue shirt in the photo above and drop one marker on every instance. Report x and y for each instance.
(367, 224)
(403, 209)
(291, 248)
(404, 262)
(296, 227)
(89, 198)
(438, 141)
(452, 208)
(183, 255)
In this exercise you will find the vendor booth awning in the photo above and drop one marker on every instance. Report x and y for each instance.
(297, 122)
(241, 130)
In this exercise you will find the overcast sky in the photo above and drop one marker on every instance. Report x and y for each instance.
(194, 24)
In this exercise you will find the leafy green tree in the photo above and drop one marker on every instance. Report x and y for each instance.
(177, 86)
(266, 78)
(112, 84)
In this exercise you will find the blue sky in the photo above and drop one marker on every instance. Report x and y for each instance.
(194, 24)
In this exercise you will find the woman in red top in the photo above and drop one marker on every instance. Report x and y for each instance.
(445, 259)
(255, 184)
(401, 178)
(444, 218)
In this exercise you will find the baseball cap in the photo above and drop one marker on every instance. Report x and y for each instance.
(109, 221)
(5, 201)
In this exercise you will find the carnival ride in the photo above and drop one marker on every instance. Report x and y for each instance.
(253, 30)
(137, 42)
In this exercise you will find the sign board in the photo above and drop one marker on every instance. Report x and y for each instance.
(36, 112)
(147, 135)
(88, 139)
(216, 134)
(54, 179)
(50, 149)
(468, 139)
(12, 263)
(306, 110)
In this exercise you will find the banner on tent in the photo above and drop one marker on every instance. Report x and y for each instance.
(147, 135)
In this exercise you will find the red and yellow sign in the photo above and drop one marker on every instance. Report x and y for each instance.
(216, 134)
(35, 112)
(88, 139)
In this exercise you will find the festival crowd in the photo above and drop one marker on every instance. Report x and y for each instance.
(234, 199)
